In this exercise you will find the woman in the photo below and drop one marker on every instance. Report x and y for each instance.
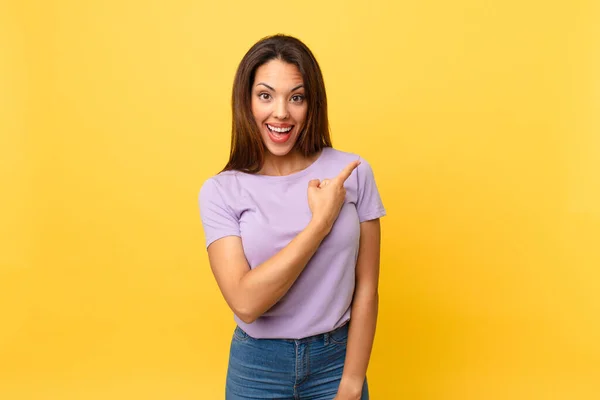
(293, 236)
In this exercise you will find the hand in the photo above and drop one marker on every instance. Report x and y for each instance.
(343, 394)
(326, 198)
(349, 390)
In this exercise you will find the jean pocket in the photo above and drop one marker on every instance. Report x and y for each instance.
(340, 335)
(240, 335)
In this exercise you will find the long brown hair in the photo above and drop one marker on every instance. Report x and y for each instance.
(247, 148)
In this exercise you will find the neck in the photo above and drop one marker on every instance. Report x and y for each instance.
(285, 165)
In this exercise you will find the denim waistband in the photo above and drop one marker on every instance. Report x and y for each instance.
(321, 336)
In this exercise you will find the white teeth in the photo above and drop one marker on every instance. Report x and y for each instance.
(279, 130)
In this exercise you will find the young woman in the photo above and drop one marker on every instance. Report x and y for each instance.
(293, 236)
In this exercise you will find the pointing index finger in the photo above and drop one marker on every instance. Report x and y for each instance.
(347, 171)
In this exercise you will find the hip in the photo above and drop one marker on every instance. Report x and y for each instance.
(287, 368)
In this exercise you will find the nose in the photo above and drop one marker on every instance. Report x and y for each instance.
(281, 111)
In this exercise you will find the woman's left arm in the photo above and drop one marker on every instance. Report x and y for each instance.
(363, 312)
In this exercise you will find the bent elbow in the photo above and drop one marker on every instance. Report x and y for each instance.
(247, 319)
(247, 316)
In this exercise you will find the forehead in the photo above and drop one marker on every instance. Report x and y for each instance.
(277, 71)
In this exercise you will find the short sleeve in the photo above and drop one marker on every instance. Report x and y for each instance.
(218, 218)
(368, 204)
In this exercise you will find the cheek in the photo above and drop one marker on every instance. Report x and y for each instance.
(259, 112)
(300, 114)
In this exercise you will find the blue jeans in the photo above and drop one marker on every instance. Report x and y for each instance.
(309, 368)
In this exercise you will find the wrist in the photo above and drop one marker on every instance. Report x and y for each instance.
(352, 386)
(319, 226)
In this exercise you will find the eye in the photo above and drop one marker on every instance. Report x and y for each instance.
(264, 96)
(297, 98)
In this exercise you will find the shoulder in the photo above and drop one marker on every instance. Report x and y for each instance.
(225, 184)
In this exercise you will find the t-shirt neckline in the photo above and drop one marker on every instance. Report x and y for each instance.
(293, 175)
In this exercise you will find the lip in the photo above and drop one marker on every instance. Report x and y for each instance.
(278, 139)
(280, 125)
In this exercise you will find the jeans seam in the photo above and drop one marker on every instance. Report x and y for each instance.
(333, 340)
(296, 368)
(239, 336)
(331, 335)
(338, 342)
(307, 361)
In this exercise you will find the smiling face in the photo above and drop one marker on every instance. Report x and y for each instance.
(279, 106)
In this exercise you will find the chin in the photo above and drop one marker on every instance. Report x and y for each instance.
(280, 150)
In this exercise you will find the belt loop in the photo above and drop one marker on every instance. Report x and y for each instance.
(326, 338)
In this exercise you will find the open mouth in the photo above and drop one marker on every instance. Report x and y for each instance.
(282, 131)
(279, 134)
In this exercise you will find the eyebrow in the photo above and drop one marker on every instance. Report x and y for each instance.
(295, 88)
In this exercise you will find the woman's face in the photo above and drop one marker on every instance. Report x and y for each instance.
(279, 105)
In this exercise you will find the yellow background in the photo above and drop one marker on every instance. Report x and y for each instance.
(481, 120)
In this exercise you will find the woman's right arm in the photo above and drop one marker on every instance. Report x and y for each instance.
(251, 292)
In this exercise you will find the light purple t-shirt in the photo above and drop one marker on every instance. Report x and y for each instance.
(267, 212)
